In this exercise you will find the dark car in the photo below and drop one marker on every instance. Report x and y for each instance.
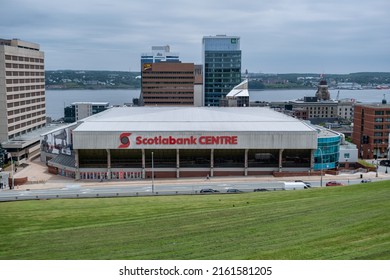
(208, 191)
(334, 183)
(234, 191)
(366, 181)
(260, 190)
(384, 162)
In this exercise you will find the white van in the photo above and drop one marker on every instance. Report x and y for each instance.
(289, 186)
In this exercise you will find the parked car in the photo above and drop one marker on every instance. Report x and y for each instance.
(234, 191)
(260, 190)
(384, 162)
(334, 183)
(366, 181)
(208, 191)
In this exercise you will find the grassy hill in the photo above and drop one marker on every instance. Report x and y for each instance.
(351, 222)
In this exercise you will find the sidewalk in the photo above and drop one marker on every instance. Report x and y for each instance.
(40, 178)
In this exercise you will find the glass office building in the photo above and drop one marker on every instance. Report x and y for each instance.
(328, 152)
(221, 67)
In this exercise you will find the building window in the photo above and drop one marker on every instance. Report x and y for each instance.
(378, 119)
(346, 155)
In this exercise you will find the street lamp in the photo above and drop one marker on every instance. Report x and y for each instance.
(322, 162)
(12, 174)
(152, 174)
(377, 157)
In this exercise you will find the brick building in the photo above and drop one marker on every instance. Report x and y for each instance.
(371, 127)
(167, 84)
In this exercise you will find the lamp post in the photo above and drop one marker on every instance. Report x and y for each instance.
(152, 174)
(322, 162)
(12, 174)
(377, 157)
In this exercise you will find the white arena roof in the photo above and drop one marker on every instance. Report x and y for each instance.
(147, 119)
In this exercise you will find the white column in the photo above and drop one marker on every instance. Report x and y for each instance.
(108, 164)
(77, 164)
(280, 159)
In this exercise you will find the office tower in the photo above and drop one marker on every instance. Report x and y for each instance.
(168, 83)
(22, 88)
(221, 67)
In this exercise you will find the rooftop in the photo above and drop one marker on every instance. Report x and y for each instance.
(24, 140)
(241, 90)
(192, 119)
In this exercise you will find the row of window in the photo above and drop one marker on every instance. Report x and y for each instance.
(24, 81)
(224, 65)
(381, 113)
(168, 83)
(168, 78)
(27, 116)
(381, 141)
(188, 88)
(22, 58)
(167, 98)
(25, 102)
(16, 134)
(387, 126)
(168, 73)
(20, 73)
(382, 119)
(30, 122)
(167, 93)
(23, 66)
(29, 108)
(216, 54)
(21, 88)
(25, 95)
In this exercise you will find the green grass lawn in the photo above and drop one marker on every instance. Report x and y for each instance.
(350, 222)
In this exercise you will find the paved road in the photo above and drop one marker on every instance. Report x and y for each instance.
(104, 189)
(47, 186)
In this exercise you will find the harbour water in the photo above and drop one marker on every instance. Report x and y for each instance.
(57, 100)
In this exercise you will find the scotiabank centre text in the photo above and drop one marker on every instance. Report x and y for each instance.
(192, 140)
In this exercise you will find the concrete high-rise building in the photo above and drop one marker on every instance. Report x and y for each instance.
(22, 93)
(221, 57)
(168, 84)
(22, 88)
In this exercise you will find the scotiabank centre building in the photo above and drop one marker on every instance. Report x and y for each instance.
(125, 143)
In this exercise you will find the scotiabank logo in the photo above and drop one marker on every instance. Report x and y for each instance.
(125, 140)
(171, 141)
(192, 140)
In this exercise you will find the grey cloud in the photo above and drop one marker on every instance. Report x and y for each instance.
(276, 36)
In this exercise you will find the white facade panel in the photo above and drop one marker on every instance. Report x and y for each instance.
(197, 140)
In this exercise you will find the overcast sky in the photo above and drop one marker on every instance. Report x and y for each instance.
(277, 36)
